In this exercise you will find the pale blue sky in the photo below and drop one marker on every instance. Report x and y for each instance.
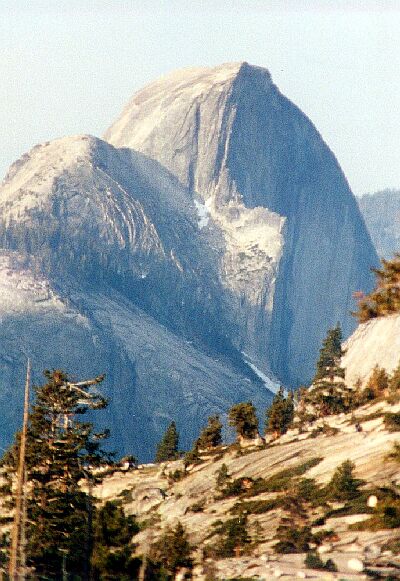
(68, 66)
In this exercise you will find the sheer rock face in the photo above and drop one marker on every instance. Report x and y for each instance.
(103, 269)
(381, 212)
(376, 342)
(271, 198)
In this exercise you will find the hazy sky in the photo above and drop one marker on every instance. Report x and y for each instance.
(69, 66)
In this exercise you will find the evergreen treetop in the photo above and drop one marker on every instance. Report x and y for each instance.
(112, 548)
(385, 298)
(343, 485)
(280, 415)
(328, 393)
(167, 449)
(60, 452)
(171, 553)
(211, 435)
(330, 354)
(243, 418)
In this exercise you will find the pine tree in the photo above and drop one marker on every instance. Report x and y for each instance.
(243, 418)
(234, 537)
(211, 435)
(112, 549)
(328, 393)
(167, 449)
(293, 533)
(330, 355)
(280, 415)
(61, 451)
(385, 298)
(343, 485)
(171, 553)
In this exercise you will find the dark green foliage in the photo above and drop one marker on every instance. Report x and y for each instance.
(343, 485)
(313, 561)
(211, 435)
(281, 480)
(386, 515)
(61, 451)
(293, 539)
(192, 457)
(328, 393)
(176, 475)
(222, 477)
(392, 422)
(385, 299)
(171, 552)
(234, 538)
(256, 506)
(243, 418)
(197, 506)
(112, 549)
(330, 355)
(238, 486)
(167, 449)
(293, 533)
(280, 415)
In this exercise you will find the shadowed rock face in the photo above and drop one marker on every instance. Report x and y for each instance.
(103, 270)
(381, 212)
(292, 244)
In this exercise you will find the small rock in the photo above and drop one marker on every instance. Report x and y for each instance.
(327, 548)
(354, 548)
(372, 501)
(301, 575)
(373, 551)
(277, 573)
(355, 565)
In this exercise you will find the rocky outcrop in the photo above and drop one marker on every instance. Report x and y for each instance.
(272, 198)
(103, 269)
(197, 503)
(376, 342)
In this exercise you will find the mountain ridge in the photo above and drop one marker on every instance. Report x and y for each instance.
(240, 146)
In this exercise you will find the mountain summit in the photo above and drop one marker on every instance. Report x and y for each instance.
(293, 246)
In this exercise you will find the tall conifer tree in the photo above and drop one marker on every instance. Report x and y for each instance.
(61, 451)
(167, 449)
(328, 393)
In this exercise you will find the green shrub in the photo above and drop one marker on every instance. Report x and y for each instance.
(176, 475)
(222, 477)
(243, 418)
(313, 561)
(255, 506)
(197, 506)
(343, 485)
(293, 539)
(392, 422)
(171, 552)
(281, 480)
(234, 538)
